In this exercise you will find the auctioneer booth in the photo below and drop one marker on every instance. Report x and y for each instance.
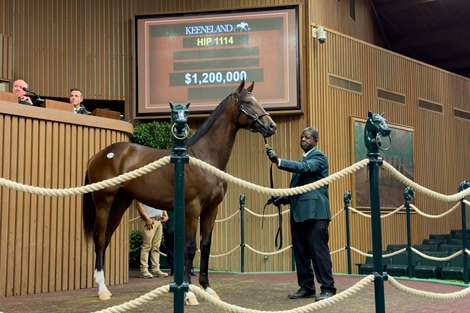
(42, 247)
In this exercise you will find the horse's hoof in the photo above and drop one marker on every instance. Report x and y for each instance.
(212, 292)
(190, 299)
(105, 295)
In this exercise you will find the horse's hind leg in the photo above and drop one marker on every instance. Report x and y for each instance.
(99, 238)
(109, 212)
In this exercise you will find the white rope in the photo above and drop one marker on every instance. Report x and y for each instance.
(435, 216)
(267, 253)
(405, 180)
(381, 215)
(434, 258)
(223, 306)
(137, 302)
(337, 213)
(266, 215)
(227, 218)
(426, 294)
(337, 250)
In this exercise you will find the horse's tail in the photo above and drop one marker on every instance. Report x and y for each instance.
(89, 212)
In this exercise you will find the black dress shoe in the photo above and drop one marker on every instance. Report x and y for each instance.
(324, 295)
(301, 294)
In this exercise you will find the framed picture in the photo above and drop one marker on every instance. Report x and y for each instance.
(399, 155)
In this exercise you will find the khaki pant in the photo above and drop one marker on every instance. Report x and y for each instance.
(151, 244)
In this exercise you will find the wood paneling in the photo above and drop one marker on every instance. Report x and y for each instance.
(42, 246)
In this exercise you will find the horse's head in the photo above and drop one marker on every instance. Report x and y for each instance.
(251, 114)
(179, 118)
(376, 127)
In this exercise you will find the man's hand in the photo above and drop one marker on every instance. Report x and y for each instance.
(281, 200)
(272, 156)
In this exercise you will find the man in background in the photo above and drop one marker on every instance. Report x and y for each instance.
(76, 99)
(18, 90)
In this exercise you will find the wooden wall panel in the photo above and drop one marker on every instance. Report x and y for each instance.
(41, 237)
(435, 134)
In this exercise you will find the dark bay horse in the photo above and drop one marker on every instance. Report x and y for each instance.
(213, 143)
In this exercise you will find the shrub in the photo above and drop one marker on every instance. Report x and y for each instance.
(154, 134)
(134, 250)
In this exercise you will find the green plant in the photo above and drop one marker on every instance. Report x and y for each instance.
(154, 134)
(134, 249)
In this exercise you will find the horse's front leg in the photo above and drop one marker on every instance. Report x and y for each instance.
(207, 225)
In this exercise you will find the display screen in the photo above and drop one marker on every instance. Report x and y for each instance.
(201, 59)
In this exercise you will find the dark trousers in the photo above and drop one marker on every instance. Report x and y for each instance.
(169, 244)
(310, 245)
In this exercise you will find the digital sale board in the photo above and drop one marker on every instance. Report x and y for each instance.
(202, 58)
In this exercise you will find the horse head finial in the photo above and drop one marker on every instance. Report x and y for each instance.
(179, 118)
(376, 127)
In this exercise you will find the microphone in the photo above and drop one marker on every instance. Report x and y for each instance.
(29, 91)
(38, 101)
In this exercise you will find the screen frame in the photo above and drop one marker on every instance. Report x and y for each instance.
(295, 87)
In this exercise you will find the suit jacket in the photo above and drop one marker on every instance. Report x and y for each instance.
(82, 110)
(315, 203)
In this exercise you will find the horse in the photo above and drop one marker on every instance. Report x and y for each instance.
(212, 142)
(376, 127)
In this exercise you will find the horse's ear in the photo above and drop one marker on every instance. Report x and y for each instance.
(171, 105)
(240, 88)
(382, 114)
(250, 88)
(187, 105)
(369, 114)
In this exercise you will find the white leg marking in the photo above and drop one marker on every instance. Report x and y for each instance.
(103, 292)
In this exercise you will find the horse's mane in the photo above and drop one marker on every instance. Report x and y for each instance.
(209, 121)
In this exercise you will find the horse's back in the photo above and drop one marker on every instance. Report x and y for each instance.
(119, 158)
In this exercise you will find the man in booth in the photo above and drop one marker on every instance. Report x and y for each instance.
(76, 99)
(18, 90)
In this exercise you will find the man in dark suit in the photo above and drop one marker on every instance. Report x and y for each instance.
(76, 99)
(310, 216)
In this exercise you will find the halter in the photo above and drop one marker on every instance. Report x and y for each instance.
(255, 118)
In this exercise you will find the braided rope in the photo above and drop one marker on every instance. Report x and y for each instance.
(227, 218)
(382, 215)
(138, 301)
(223, 254)
(337, 213)
(266, 215)
(436, 216)
(88, 188)
(278, 191)
(307, 308)
(405, 180)
(429, 257)
(267, 253)
(337, 250)
(426, 294)
(394, 253)
(383, 255)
